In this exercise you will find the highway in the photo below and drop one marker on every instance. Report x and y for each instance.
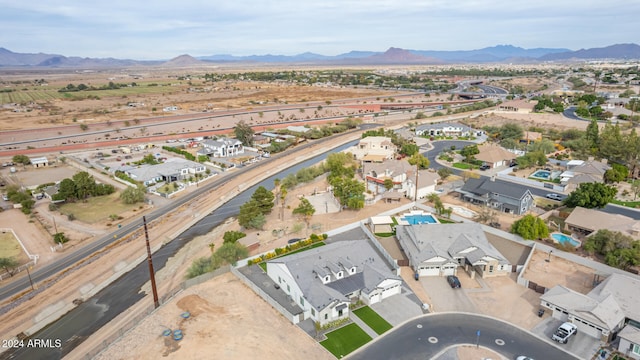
(429, 335)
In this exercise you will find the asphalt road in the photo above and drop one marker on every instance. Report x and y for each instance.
(429, 335)
(570, 113)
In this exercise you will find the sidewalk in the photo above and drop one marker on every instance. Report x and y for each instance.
(362, 325)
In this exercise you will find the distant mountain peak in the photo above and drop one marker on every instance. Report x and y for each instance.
(183, 60)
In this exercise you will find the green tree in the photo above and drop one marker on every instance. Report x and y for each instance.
(618, 249)
(264, 198)
(60, 238)
(591, 195)
(530, 227)
(21, 159)
(9, 265)
(229, 253)
(469, 151)
(419, 160)
(305, 210)
(249, 212)
(544, 146)
(511, 131)
(409, 149)
(349, 191)
(232, 236)
(84, 183)
(611, 143)
(617, 173)
(444, 172)
(66, 190)
(388, 184)
(244, 133)
(132, 195)
(592, 134)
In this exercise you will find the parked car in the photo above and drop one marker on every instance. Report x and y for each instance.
(564, 332)
(495, 225)
(522, 357)
(554, 196)
(416, 276)
(5, 197)
(293, 241)
(485, 167)
(453, 281)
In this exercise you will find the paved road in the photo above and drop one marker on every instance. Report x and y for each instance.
(427, 336)
(570, 113)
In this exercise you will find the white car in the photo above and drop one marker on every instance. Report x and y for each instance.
(554, 196)
(564, 332)
(522, 357)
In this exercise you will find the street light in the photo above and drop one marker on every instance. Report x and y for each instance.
(549, 258)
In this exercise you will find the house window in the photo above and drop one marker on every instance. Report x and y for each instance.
(301, 301)
(313, 312)
(279, 280)
(490, 268)
(288, 288)
(326, 316)
(339, 313)
(636, 349)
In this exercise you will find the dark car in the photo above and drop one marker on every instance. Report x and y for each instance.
(293, 241)
(485, 167)
(495, 225)
(453, 281)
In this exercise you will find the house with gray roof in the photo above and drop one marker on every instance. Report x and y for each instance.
(579, 172)
(439, 250)
(173, 169)
(601, 313)
(629, 343)
(325, 280)
(403, 176)
(222, 147)
(497, 194)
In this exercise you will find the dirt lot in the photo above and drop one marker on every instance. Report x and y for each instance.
(556, 121)
(559, 272)
(228, 321)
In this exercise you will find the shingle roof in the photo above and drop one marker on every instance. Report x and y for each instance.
(341, 255)
(595, 220)
(484, 186)
(493, 153)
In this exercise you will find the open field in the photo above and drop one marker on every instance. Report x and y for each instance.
(10, 248)
(98, 208)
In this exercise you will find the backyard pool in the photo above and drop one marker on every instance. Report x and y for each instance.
(564, 239)
(541, 174)
(417, 218)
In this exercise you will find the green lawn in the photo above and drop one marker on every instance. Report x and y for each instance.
(345, 340)
(463, 166)
(446, 221)
(371, 318)
(631, 204)
(97, 208)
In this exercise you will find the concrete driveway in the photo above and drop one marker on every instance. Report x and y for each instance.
(581, 344)
(399, 308)
(444, 298)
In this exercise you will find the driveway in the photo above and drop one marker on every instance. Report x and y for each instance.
(444, 298)
(399, 308)
(580, 344)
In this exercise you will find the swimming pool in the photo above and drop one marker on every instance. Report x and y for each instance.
(564, 239)
(541, 174)
(415, 219)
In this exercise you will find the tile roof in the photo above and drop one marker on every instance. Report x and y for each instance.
(494, 153)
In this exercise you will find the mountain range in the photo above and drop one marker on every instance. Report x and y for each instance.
(495, 54)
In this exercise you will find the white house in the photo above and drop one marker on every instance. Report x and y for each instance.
(39, 162)
(629, 343)
(324, 281)
(222, 147)
(173, 169)
(440, 249)
(374, 149)
(403, 176)
(443, 129)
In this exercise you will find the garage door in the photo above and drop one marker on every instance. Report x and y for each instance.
(391, 291)
(586, 329)
(430, 271)
(449, 270)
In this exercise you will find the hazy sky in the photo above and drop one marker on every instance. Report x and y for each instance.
(161, 29)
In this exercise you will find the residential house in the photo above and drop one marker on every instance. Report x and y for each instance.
(173, 169)
(503, 195)
(325, 280)
(494, 155)
(518, 106)
(222, 147)
(403, 176)
(444, 129)
(439, 250)
(629, 344)
(374, 149)
(588, 221)
(579, 171)
(601, 313)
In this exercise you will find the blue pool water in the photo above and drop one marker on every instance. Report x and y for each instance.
(542, 174)
(415, 219)
(563, 239)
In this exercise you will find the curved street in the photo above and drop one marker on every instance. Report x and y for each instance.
(428, 336)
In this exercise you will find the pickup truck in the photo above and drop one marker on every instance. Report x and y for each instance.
(564, 332)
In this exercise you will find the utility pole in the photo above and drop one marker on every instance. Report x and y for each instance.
(55, 227)
(152, 274)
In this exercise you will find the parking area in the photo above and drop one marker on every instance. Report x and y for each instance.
(580, 344)
(28, 176)
(399, 308)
